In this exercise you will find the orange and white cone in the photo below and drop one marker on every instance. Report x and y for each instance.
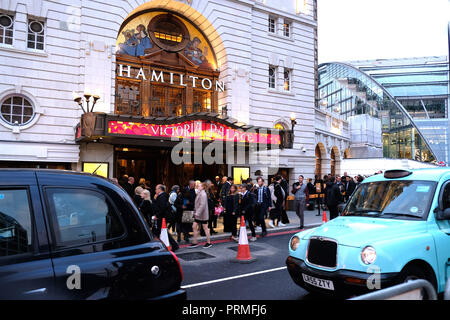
(243, 254)
(324, 217)
(164, 237)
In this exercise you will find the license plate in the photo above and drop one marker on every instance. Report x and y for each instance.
(321, 283)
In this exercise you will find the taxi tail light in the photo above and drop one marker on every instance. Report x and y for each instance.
(179, 265)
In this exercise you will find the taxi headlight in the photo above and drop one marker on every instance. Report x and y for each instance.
(294, 243)
(368, 255)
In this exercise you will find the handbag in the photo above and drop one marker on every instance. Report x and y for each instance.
(188, 216)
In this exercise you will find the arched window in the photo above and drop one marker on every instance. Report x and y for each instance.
(279, 126)
(333, 162)
(318, 169)
(16, 110)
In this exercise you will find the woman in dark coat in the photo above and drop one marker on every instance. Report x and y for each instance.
(146, 207)
(231, 212)
(182, 228)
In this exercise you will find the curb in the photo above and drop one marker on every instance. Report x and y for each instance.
(226, 236)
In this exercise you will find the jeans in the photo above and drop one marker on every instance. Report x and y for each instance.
(299, 206)
(260, 212)
(249, 218)
(334, 213)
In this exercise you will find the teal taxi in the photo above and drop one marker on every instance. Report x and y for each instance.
(395, 227)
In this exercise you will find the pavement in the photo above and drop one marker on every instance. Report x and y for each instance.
(311, 220)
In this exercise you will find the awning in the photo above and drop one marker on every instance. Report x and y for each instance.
(208, 127)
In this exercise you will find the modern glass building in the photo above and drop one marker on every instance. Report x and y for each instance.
(404, 99)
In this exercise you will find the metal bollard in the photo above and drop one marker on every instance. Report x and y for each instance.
(396, 292)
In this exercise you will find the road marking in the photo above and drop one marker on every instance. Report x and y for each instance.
(232, 278)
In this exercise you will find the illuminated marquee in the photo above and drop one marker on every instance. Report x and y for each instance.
(195, 129)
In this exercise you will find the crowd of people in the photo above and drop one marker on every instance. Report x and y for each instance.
(193, 210)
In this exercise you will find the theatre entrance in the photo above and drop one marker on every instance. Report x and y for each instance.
(155, 164)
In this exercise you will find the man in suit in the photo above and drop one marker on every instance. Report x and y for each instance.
(247, 208)
(160, 207)
(130, 186)
(226, 189)
(263, 204)
(350, 186)
(333, 197)
(301, 199)
(340, 183)
(218, 186)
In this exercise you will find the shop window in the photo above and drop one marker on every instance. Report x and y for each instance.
(272, 77)
(15, 222)
(6, 29)
(97, 168)
(16, 110)
(272, 25)
(240, 174)
(82, 217)
(35, 35)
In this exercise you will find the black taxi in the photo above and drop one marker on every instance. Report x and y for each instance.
(70, 235)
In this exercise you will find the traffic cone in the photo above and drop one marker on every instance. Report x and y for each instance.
(243, 254)
(324, 217)
(164, 237)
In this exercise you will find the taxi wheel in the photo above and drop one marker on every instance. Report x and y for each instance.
(413, 272)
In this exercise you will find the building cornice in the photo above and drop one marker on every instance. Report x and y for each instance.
(330, 134)
(308, 21)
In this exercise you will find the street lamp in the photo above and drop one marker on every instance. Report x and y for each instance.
(293, 122)
(88, 117)
(87, 99)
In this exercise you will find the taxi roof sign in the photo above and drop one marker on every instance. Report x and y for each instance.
(394, 174)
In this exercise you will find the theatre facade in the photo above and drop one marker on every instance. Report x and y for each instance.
(165, 90)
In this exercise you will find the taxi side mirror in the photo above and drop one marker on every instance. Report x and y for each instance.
(442, 214)
(341, 207)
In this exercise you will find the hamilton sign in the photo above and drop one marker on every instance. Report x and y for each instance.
(172, 78)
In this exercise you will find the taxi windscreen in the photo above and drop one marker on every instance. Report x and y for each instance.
(392, 199)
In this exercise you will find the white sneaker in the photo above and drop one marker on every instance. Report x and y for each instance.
(281, 224)
(253, 239)
(271, 224)
(258, 229)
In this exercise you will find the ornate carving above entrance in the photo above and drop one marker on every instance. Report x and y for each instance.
(156, 31)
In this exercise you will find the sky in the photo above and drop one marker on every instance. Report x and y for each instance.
(382, 29)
